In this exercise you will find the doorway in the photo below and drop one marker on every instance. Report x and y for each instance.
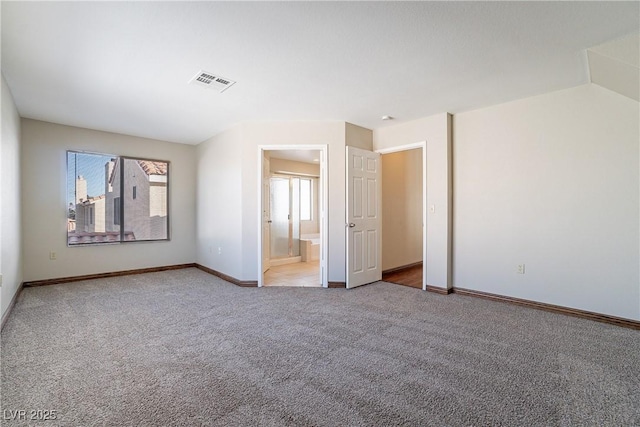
(294, 234)
(404, 207)
(293, 196)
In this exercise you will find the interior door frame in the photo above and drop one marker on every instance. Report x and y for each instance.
(423, 145)
(266, 195)
(323, 212)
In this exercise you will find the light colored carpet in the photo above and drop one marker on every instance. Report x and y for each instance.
(186, 348)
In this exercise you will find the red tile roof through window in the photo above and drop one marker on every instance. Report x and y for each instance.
(153, 168)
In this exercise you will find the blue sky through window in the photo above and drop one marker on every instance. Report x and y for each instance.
(91, 167)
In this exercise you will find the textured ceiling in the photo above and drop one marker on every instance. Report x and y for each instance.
(125, 66)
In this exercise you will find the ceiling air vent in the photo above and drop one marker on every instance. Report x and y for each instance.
(211, 81)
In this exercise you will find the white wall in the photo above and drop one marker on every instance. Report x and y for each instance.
(44, 148)
(436, 130)
(553, 182)
(219, 216)
(401, 208)
(10, 194)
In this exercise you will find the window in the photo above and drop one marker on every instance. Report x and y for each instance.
(99, 211)
(306, 191)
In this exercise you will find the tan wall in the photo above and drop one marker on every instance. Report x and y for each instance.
(401, 208)
(359, 137)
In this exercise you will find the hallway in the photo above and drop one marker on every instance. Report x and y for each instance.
(411, 276)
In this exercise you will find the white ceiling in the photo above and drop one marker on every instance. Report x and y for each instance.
(125, 66)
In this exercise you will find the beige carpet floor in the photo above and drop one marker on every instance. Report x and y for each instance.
(183, 348)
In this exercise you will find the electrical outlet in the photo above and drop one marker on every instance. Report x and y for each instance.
(219, 250)
(520, 268)
(52, 256)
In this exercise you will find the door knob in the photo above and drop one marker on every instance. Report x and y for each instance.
(351, 225)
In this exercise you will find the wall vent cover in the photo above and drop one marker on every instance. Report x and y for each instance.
(211, 81)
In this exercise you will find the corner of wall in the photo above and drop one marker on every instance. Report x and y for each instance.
(11, 258)
(450, 200)
(357, 136)
(219, 202)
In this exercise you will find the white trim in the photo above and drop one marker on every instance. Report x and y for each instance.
(405, 147)
(322, 211)
(423, 145)
(260, 217)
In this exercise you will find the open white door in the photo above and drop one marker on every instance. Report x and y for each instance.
(266, 216)
(364, 225)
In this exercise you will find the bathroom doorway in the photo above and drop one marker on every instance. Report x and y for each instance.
(293, 221)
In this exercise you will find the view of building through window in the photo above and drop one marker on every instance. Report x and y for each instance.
(115, 199)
